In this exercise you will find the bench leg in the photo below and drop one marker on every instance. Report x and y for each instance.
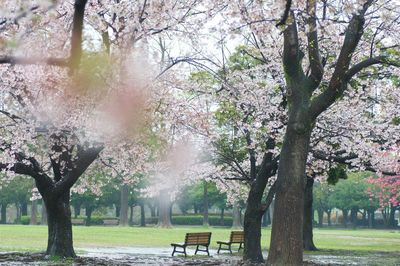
(184, 251)
(173, 252)
(230, 248)
(240, 247)
(219, 248)
(197, 249)
(208, 253)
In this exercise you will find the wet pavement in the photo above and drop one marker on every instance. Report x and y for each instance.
(162, 256)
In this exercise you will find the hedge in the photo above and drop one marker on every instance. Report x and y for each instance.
(213, 220)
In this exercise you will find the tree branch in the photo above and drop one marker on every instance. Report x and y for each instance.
(367, 63)
(317, 69)
(338, 83)
(84, 159)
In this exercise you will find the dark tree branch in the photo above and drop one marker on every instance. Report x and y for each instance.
(285, 14)
(369, 62)
(76, 38)
(338, 83)
(317, 69)
(15, 60)
(85, 158)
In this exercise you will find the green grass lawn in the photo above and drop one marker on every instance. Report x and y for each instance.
(34, 238)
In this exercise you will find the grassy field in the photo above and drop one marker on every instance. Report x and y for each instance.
(34, 238)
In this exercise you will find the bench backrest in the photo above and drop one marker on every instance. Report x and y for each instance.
(198, 238)
(237, 237)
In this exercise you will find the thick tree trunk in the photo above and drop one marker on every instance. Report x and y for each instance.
(3, 213)
(286, 246)
(164, 207)
(123, 215)
(308, 242)
(221, 219)
(142, 215)
(33, 220)
(236, 223)
(60, 242)
(252, 228)
(320, 218)
(44, 214)
(205, 204)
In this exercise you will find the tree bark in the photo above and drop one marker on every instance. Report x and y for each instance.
(131, 214)
(392, 220)
(353, 217)
(3, 213)
(308, 242)
(117, 210)
(142, 215)
(33, 220)
(286, 246)
(205, 204)
(60, 242)
(123, 215)
(164, 208)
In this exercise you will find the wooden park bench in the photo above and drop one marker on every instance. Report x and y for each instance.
(194, 239)
(237, 237)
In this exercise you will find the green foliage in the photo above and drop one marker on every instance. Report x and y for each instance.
(352, 193)
(336, 173)
(193, 219)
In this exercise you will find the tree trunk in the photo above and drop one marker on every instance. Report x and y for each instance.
(123, 215)
(59, 226)
(195, 209)
(3, 213)
(328, 213)
(308, 242)
(392, 220)
(252, 225)
(221, 219)
(117, 210)
(18, 209)
(88, 211)
(345, 217)
(142, 215)
(286, 246)
(369, 215)
(77, 210)
(44, 214)
(131, 214)
(164, 218)
(320, 218)
(152, 210)
(24, 208)
(353, 217)
(33, 220)
(205, 204)
(236, 223)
